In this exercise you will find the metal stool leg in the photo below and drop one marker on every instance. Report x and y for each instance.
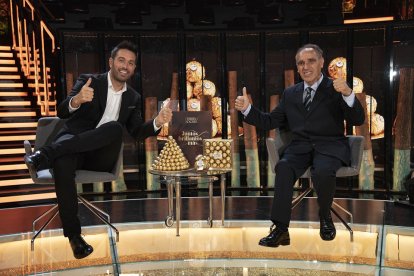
(99, 213)
(351, 232)
(54, 214)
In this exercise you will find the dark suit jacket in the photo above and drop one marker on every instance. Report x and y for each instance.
(89, 114)
(321, 129)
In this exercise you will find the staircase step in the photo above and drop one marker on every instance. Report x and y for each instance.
(10, 77)
(6, 55)
(13, 167)
(18, 114)
(18, 125)
(12, 151)
(11, 85)
(5, 48)
(25, 198)
(15, 103)
(17, 138)
(13, 94)
(7, 61)
(9, 69)
(14, 182)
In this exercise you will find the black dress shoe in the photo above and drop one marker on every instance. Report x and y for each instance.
(37, 161)
(275, 238)
(80, 247)
(327, 228)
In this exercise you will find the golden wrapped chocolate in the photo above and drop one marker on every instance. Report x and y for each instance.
(218, 153)
(209, 88)
(377, 126)
(337, 67)
(194, 71)
(371, 104)
(204, 87)
(201, 163)
(216, 107)
(198, 89)
(357, 85)
(189, 90)
(193, 105)
(219, 124)
(213, 128)
(171, 158)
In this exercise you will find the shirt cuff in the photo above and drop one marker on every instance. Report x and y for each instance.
(349, 99)
(72, 109)
(246, 112)
(155, 126)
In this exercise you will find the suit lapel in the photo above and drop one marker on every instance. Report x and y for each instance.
(299, 97)
(320, 94)
(126, 100)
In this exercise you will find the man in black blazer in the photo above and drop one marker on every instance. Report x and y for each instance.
(314, 111)
(97, 109)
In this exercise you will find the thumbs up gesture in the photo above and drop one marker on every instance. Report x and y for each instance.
(242, 102)
(84, 95)
(341, 86)
(164, 116)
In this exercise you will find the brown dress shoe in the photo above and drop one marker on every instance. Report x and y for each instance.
(327, 228)
(80, 247)
(275, 238)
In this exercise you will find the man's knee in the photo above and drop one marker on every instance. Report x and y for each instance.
(113, 129)
(282, 166)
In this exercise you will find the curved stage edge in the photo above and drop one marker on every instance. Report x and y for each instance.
(383, 240)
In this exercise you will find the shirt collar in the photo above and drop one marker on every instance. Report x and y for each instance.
(112, 87)
(315, 85)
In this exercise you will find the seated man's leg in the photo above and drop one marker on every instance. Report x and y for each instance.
(288, 170)
(324, 179)
(64, 173)
(86, 141)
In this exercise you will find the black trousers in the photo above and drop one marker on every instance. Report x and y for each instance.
(289, 168)
(97, 150)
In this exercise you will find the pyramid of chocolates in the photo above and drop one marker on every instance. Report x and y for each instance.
(171, 158)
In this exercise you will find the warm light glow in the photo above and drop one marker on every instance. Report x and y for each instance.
(368, 20)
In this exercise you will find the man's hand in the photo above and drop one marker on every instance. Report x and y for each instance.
(242, 102)
(341, 86)
(84, 95)
(164, 116)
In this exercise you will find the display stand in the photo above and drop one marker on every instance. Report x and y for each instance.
(173, 181)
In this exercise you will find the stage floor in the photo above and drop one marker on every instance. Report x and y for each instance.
(383, 240)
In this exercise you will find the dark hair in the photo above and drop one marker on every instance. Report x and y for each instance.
(315, 47)
(128, 45)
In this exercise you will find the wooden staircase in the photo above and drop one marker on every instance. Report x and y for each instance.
(19, 112)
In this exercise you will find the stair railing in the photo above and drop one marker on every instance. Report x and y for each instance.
(27, 28)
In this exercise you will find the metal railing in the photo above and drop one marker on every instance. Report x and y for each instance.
(28, 32)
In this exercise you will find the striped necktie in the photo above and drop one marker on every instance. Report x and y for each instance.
(308, 98)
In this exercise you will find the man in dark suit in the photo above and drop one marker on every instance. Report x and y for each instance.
(314, 111)
(97, 109)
